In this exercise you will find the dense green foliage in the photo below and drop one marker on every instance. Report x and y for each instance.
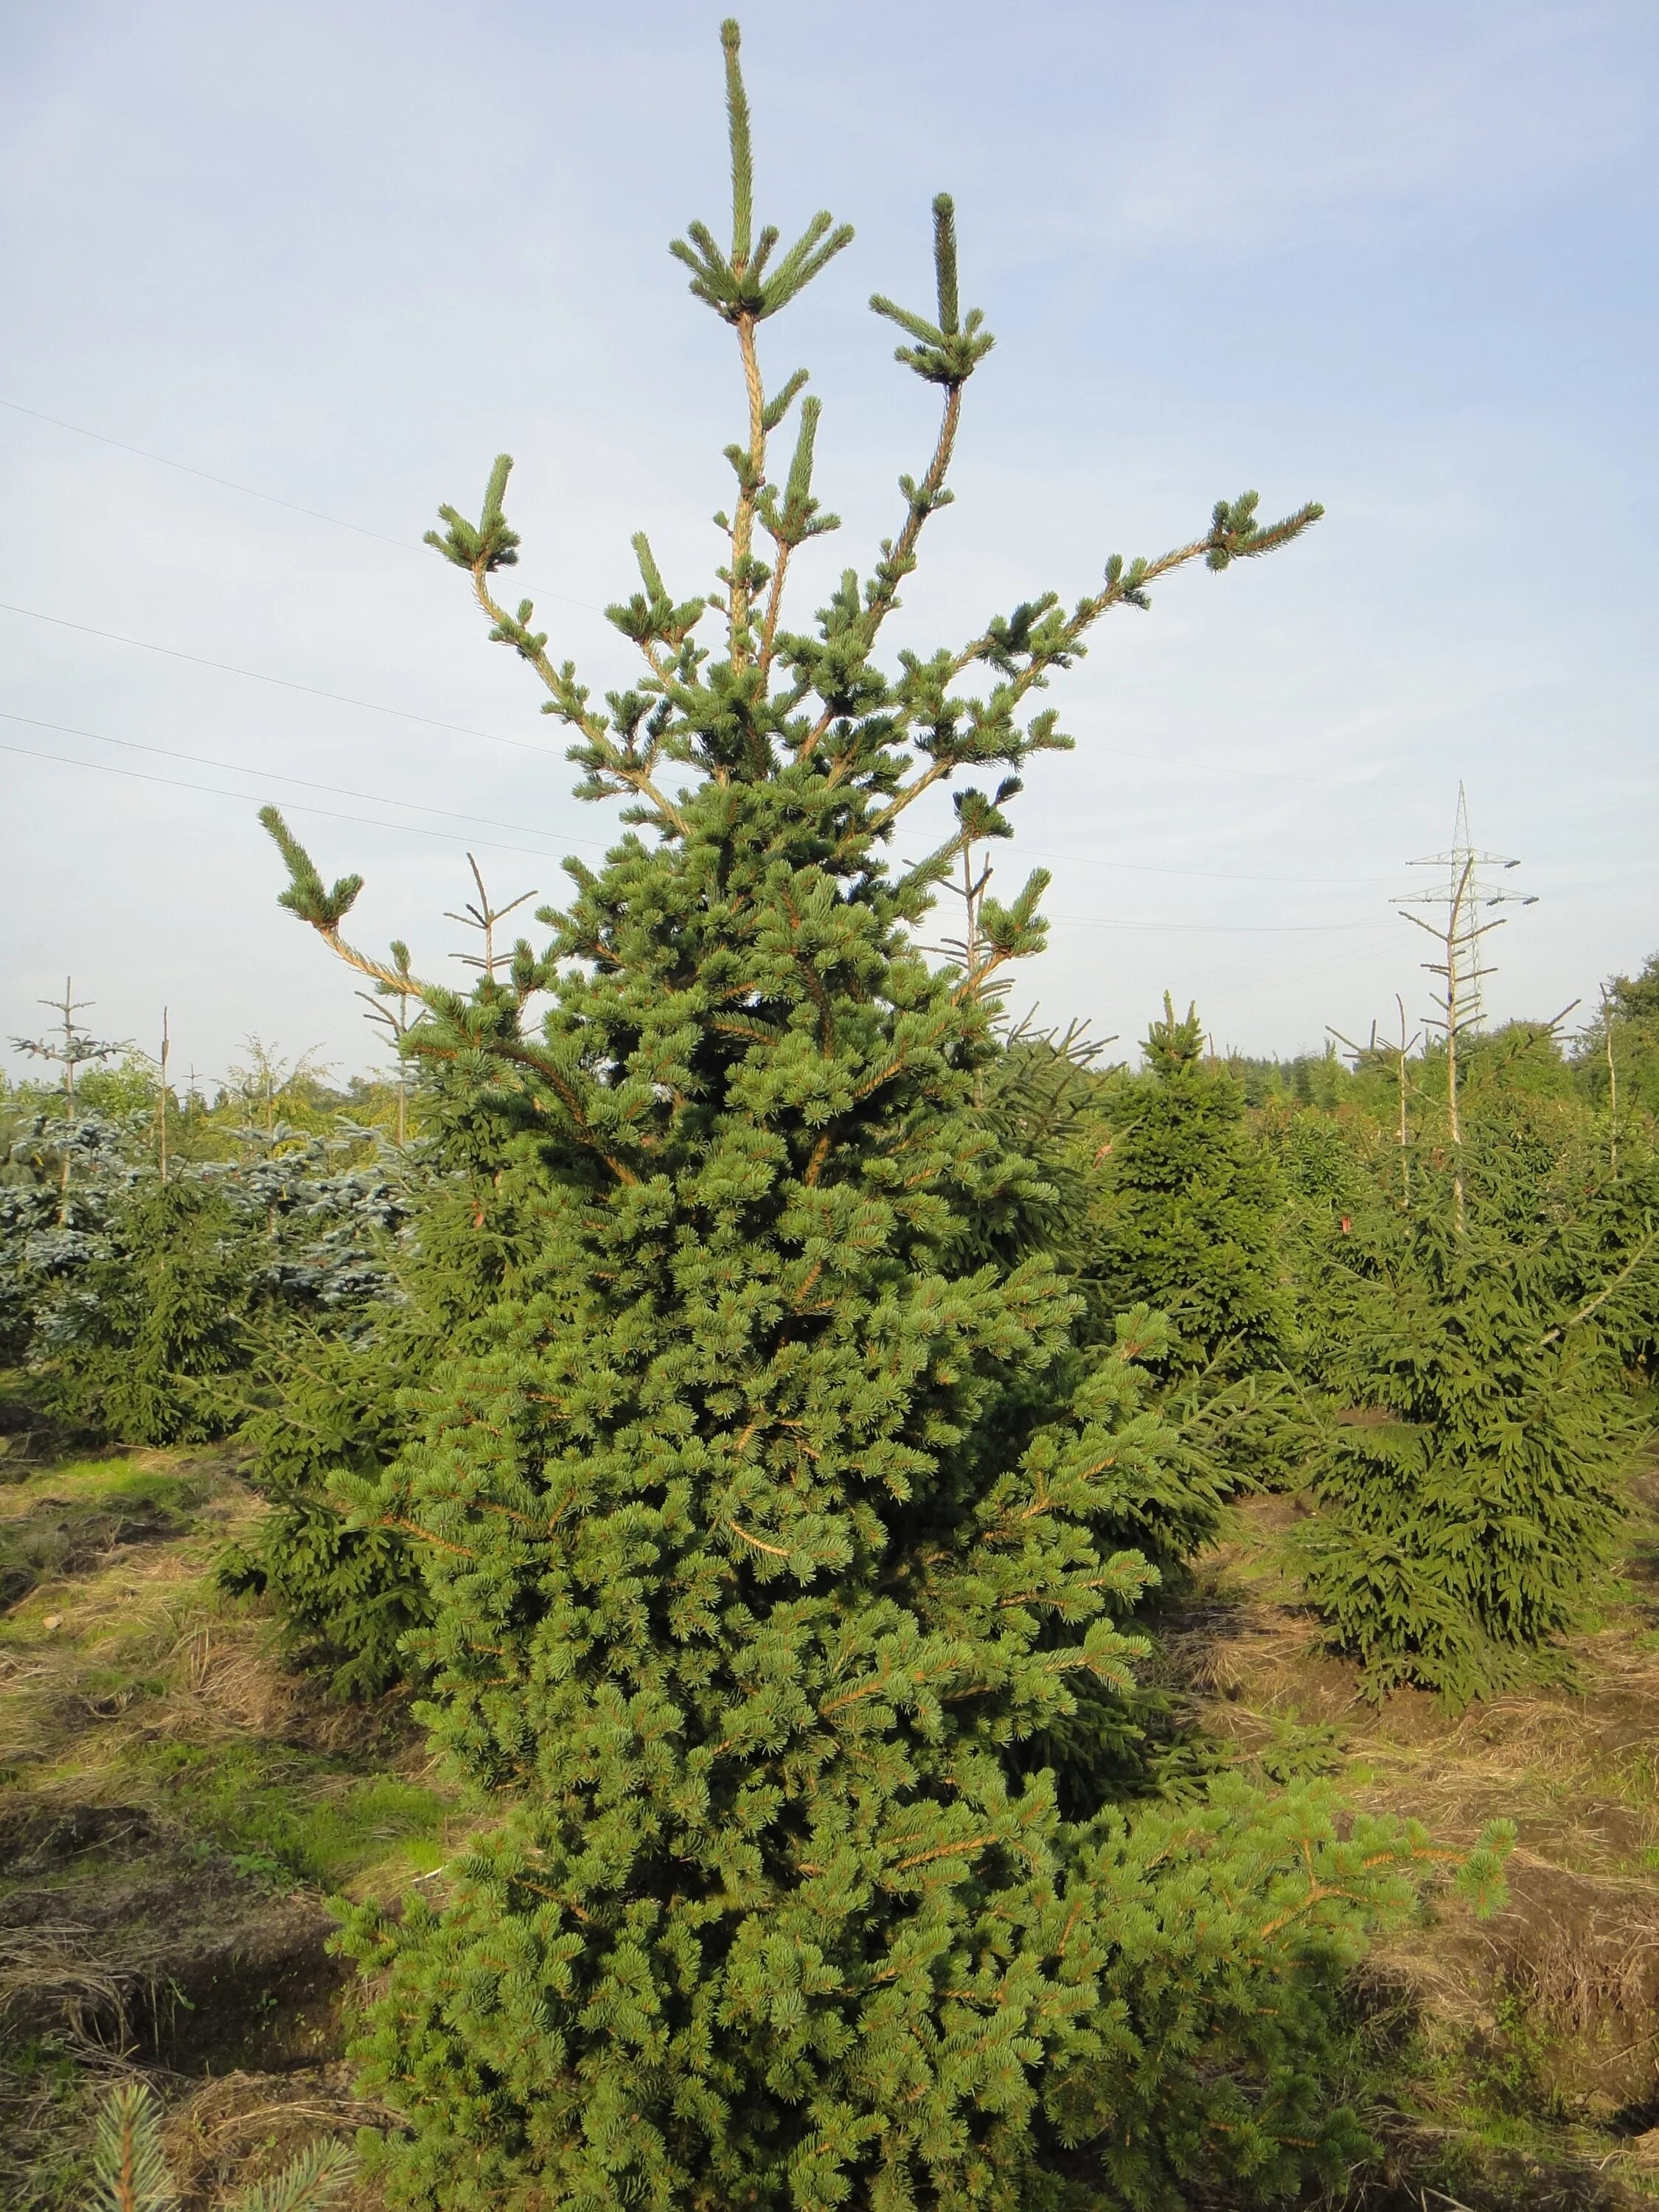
(764, 1404)
(138, 1298)
(1468, 1480)
(153, 1318)
(1189, 1211)
(782, 1501)
(327, 1411)
(1618, 1053)
(1186, 1216)
(130, 2170)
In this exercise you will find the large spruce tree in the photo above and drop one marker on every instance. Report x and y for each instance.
(765, 1519)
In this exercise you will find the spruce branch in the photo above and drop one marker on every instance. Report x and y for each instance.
(1610, 1291)
(1036, 640)
(743, 159)
(946, 353)
(308, 2183)
(949, 350)
(488, 544)
(129, 2167)
(736, 285)
(751, 467)
(778, 406)
(611, 767)
(651, 617)
(859, 626)
(1236, 535)
(809, 257)
(460, 1027)
(130, 2172)
(945, 261)
(306, 895)
(793, 523)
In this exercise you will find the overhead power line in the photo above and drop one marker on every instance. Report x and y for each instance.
(248, 491)
(1201, 875)
(188, 469)
(494, 822)
(1203, 929)
(328, 813)
(519, 745)
(564, 598)
(286, 682)
(450, 836)
(1349, 953)
(280, 775)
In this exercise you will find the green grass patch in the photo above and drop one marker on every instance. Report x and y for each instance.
(83, 1485)
(61, 1521)
(285, 1816)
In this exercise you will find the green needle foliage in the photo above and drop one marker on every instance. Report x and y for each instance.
(327, 1421)
(326, 1414)
(765, 1519)
(1189, 1204)
(135, 1348)
(130, 2172)
(129, 2166)
(1468, 1480)
(1188, 1218)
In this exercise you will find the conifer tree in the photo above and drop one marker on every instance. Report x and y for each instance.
(325, 1411)
(140, 1298)
(71, 1049)
(764, 1518)
(1616, 1056)
(130, 2170)
(1188, 1218)
(133, 1344)
(1468, 1480)
(1189, 1206)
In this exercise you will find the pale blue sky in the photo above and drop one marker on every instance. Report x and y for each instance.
(1399, 259)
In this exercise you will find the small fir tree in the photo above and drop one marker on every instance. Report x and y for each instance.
(326, 1419)
(764, 1517)
(1187, 1216)
(1620, 1049)
(1190, 1207)
(70, 1048)
(326, 1412)
(130, 2174)
(1468, 1479)
(133, 1345)
(142, 1298)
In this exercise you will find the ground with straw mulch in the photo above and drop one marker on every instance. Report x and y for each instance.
(176, 1808)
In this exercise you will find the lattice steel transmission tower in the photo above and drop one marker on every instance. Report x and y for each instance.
(1462, 918)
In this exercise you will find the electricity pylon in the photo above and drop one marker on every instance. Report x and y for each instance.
(1461, 906)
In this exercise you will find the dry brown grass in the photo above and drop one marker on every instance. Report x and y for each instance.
(57, 1961)
(242, 2128)
(168, 1774)
(1574, 1766)
(141, 1649)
